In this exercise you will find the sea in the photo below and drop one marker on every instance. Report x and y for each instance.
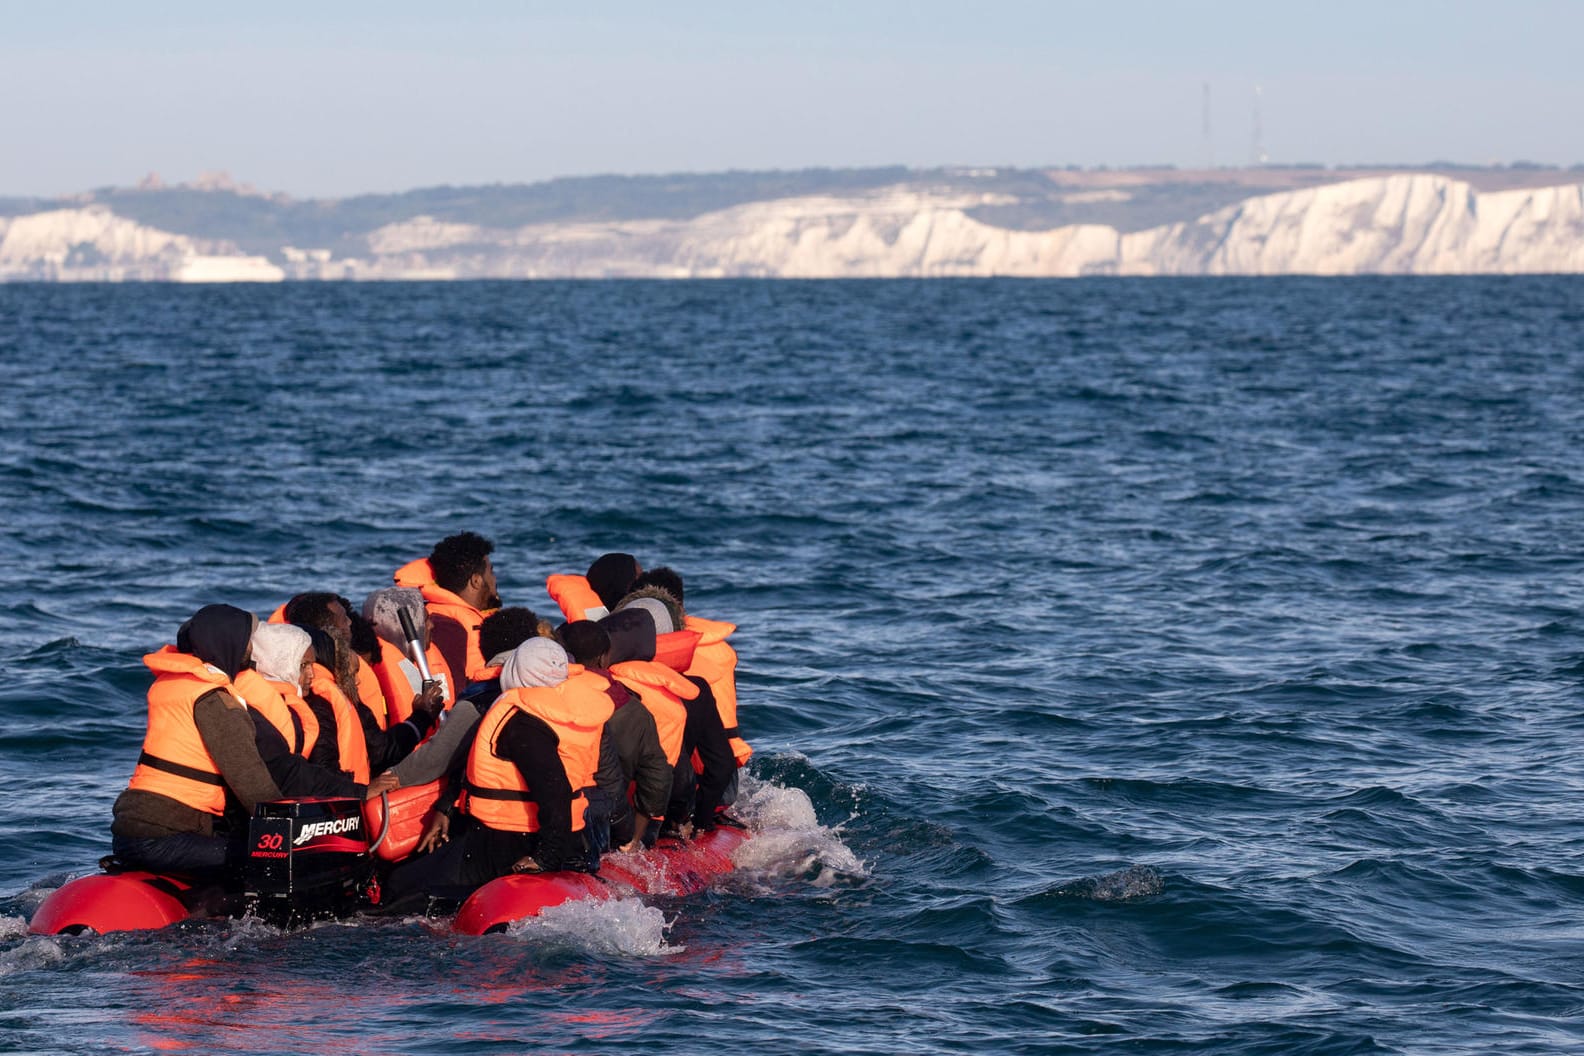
(1150, 666)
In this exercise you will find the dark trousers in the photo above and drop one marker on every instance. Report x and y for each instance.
(473, 856)
(209, 858)
(601, 822)
(698, 796)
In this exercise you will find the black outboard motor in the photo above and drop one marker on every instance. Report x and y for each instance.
(308, 859)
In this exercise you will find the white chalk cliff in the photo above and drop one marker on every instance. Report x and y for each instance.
(92, 244)
(1398, 224)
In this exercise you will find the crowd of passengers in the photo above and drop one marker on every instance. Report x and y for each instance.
(557, 743)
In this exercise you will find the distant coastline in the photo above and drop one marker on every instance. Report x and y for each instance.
(836, 223)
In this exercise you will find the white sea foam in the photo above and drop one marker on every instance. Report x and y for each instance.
(788, 839)
(34, 952)
(617, 927)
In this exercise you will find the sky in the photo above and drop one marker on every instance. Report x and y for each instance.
(328, 100)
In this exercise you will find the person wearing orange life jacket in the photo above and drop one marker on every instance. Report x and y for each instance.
(446, 751)
(283, 658)
(509, 789)
(342, 744)
(592, 596)
(386, 741)
(298, 773)
(535, 751)
(335, 615)
(697, 794)
(536, 661)
(400, 680)
(632, 755)
(463, 589)
(414, 704)
(332, 614)
(199, 753)
(714, 660)
(366, 647)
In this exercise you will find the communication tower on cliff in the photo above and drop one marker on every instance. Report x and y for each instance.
(1257, 155)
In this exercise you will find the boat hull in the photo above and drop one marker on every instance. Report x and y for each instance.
(673, 868)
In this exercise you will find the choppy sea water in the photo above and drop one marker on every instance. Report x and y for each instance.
(1149, 666)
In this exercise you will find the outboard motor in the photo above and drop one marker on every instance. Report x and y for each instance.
(308, 859)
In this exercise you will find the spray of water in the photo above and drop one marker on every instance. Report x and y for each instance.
(788, 839)
(618, 927)
(34, 951)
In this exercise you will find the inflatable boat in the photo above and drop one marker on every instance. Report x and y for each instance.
(313, 859)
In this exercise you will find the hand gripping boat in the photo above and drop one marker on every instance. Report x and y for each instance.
(311, 859)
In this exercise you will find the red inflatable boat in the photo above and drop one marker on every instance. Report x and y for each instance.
(312, 859)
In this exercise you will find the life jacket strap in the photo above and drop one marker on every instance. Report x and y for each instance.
(510, 795)
(190, 773)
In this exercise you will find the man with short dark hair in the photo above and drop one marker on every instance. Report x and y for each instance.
(463, 589)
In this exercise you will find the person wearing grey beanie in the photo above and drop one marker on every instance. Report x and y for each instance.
(536, 662)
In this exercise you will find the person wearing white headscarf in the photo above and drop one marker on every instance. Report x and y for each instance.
(481, 853)
(278, 653)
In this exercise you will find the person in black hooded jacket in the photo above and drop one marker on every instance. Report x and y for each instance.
(631, 755)
(696, 796)
(157, 832)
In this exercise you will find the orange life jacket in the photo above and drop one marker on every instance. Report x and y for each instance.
(350, 745)
(279, 615)
(675, 650)
(715, 661)
(278, 702)
(293, 697)
(174, 762)
(575, 597)
(395, 687)
(576, 710)
(661, 691)
(462, 636)
(414, 573)
(371, 693)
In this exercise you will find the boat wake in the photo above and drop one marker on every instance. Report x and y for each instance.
(616, 927)
(789, 841)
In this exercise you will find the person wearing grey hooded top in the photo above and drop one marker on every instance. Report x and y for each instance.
(499, 638)
(387, 747)
(630, 751)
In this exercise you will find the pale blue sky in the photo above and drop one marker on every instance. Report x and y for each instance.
(332, 99)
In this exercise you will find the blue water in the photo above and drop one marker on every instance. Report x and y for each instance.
(1160, 666)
